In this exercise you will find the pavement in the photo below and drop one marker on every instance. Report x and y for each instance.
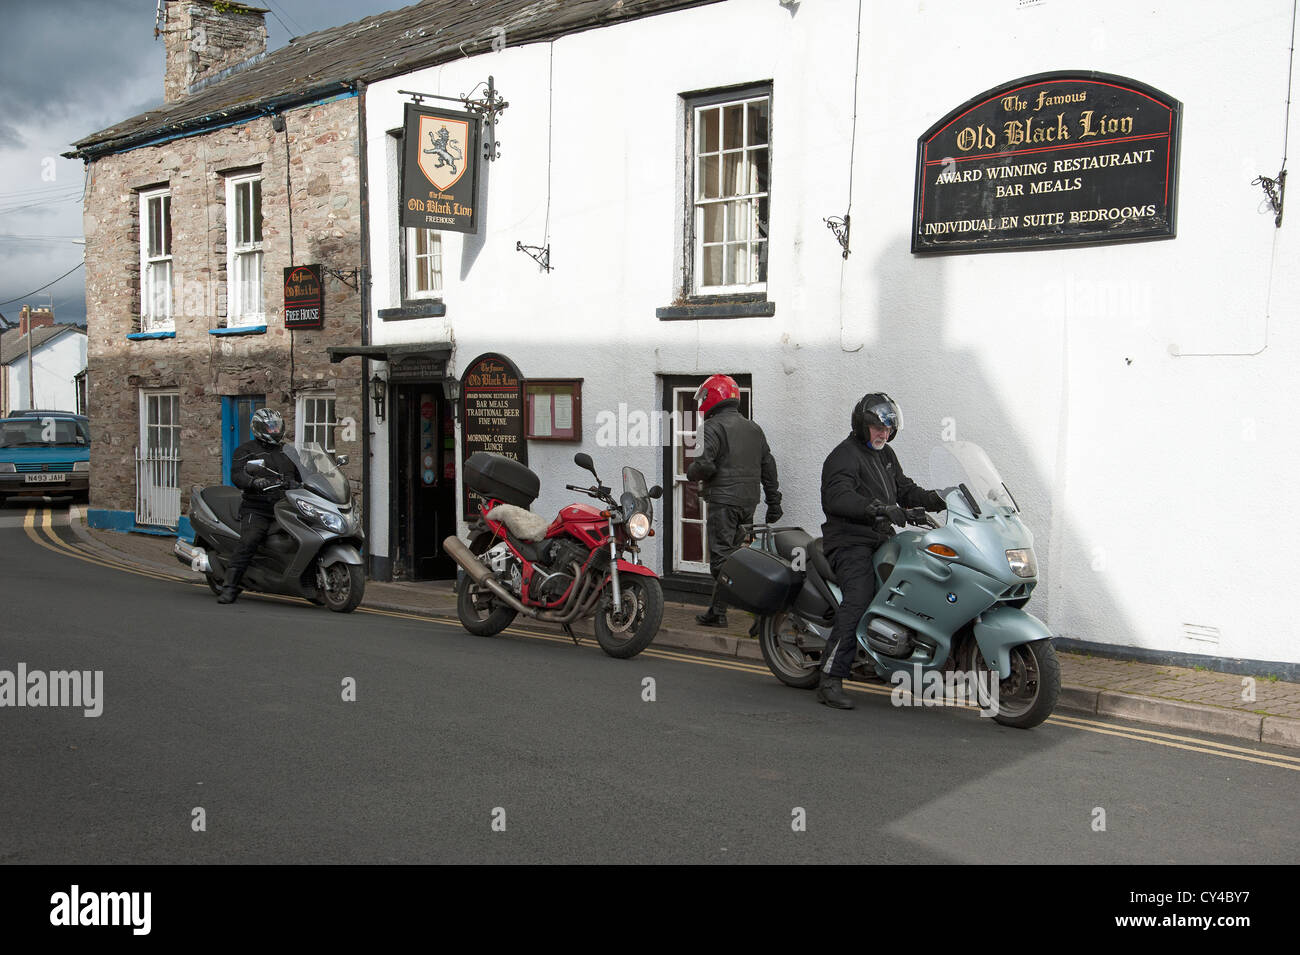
(1260, 708)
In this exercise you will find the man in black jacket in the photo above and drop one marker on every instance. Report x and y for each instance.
(864, 491)
(733, 459)
(257, 506)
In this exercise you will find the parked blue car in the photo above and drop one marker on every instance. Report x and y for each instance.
(44, 456)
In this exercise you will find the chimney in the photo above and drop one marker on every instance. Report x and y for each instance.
(30, 318)
(204, 38)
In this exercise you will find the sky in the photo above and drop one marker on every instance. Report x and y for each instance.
(69, 68)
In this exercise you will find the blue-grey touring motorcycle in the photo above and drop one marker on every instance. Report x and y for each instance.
(949, 599)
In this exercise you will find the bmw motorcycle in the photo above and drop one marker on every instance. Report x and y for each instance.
(314, 547)
(563, 570)
(949, 600)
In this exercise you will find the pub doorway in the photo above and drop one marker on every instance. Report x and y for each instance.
(424, 491)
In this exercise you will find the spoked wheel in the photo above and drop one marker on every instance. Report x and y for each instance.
(341, 586)
(628, 632)
(1029, 694)
(793, 656)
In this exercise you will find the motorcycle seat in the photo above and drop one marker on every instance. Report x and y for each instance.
(820, 563)
(223, 501)
(520, 521)
(787, 540)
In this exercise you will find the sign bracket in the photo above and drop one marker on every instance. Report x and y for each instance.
(349, 277)
(488, 106)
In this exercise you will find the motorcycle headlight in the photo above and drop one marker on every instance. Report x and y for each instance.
(1022, 562)
(638, 525)
(327, 519)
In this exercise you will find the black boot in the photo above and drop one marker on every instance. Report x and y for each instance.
(831, 692)
(231, 590)
(712, 618)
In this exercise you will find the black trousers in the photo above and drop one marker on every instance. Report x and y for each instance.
(253, 528)
(857, 582)
(725, 536)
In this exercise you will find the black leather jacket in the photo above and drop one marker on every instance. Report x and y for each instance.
(275, 459)
(733, 460)
(853, 478)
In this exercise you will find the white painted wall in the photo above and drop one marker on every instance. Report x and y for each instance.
(56, 364)
(1135, 396)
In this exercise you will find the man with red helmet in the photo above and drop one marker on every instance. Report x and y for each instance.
(862, 487)
(732, 460)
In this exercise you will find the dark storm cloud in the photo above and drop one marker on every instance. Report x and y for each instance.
(68, 57)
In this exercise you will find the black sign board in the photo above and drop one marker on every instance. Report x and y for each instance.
(304, 298)
(440, 170)
(1048, 160)
(492, 413)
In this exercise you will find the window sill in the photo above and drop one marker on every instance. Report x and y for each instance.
(433, 308)
(748, 305)
(143, 336)
(239, 330)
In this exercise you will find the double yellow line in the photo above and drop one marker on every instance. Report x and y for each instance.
(44, 536)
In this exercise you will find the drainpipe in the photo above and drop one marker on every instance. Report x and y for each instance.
(364, 283)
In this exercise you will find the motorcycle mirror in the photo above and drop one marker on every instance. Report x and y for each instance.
(257, 468)
(656, 492)
(583, 460)
(342, 460)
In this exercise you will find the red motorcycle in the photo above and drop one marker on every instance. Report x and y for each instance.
(562, 571)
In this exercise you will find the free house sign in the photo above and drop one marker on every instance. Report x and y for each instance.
(1049, 160)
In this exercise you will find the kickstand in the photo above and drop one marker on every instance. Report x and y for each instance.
(572, 636)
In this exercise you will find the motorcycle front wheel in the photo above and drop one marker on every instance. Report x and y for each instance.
(791, 663)
(345, 585)
(628, 632)
(1029, 694)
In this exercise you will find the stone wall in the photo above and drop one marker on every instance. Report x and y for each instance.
(321, 177)
(202, 41)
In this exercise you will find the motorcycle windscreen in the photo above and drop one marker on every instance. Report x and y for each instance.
(319, 472)
(955, 463)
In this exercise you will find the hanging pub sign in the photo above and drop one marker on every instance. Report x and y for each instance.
(440, 170)
(492, 413)
(1048, 160)
(304, 298)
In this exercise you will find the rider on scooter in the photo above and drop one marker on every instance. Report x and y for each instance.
(861, 479)
(257, 506)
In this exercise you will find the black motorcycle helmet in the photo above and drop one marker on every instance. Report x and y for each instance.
(268, 427)
(879, 409)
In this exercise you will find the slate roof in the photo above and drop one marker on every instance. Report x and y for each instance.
(14, 346)
(389, 44)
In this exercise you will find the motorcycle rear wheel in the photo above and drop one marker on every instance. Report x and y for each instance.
(479, 611)
(1029, 694)
(627, 633)
(788, 662)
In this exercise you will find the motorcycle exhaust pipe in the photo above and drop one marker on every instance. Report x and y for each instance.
(196, 558)
(482, 576)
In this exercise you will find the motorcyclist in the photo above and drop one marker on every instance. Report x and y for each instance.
(733, 459)
(864, 491)
(257, 506)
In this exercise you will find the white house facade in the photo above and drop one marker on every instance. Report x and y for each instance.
(55, 368)
(680, 169)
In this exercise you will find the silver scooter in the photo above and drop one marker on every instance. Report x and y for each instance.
(314, 547)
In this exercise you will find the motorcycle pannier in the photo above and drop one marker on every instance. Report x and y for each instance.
(501, 478)
(756, 581)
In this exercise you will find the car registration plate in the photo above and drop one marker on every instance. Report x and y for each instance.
(48, 477)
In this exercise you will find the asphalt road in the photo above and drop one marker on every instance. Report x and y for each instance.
(525, 748)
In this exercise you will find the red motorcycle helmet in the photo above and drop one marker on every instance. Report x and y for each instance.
(714, 391)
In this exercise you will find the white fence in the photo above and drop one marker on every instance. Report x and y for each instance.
(157, 487)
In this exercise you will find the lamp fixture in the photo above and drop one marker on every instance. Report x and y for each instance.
(378, 392)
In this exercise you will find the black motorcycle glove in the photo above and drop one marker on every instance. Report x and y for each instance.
(896, 514)
(261, 485)
(774, 513)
